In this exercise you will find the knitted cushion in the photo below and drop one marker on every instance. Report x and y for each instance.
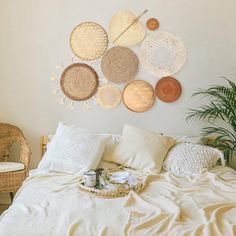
(190, 159)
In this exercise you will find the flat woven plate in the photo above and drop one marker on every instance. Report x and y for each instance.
(138, 96)
(119, 22)
(89, 41)
(79, 82)
(108, 96)
(168, 89)
(120, 64)
(162, 54)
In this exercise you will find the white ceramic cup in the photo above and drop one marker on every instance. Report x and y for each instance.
(90, 178)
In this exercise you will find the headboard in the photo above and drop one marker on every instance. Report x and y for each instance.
(43, 144)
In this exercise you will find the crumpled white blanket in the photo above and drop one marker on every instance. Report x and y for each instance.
(49, 204)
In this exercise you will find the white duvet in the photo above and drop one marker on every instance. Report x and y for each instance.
(49, 204)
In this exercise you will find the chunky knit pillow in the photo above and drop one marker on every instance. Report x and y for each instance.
(190, 159)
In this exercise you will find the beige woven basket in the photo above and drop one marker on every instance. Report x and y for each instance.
(89, 41)
(106, 194)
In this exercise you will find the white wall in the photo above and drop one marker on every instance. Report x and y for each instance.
(34, 38)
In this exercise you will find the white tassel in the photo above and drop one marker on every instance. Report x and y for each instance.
(86, 106)
(71, 105)
(61, 100)
(55, 90)
(53, 77)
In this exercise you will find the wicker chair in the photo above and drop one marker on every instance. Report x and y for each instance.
(12, 181)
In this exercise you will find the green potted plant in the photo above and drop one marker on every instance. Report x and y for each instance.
(220, 109)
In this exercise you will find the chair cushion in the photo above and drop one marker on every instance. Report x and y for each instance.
(10, 166)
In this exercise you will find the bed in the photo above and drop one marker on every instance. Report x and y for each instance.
(50, 204)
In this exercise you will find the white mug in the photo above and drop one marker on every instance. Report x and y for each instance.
(90, 178)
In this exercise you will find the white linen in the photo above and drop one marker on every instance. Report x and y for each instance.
(49, 204)
(73, 150)
(140, 149)
(10, 166)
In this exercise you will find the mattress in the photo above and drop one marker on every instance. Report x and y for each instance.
(49, 204)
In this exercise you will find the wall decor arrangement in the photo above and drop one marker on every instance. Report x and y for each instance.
(107, 75)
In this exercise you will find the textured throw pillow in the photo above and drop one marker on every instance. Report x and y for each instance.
(140, 149)
(187, 159)
(73, 150)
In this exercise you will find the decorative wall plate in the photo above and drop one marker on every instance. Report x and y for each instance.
(120, 22)
(79, 82)
(120, 64)
(168, 89)
(152, 24)
(108, 96)
(89, 41)
(138, 96)
(163, 54)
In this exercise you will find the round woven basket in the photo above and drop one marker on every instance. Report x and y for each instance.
(120, 64)
(121, 21)
(107, 194)
(138, 96)
(168, 89)
(108, 96)
(89, 41)
(79, 82)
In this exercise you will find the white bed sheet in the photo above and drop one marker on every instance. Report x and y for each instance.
(49, 204)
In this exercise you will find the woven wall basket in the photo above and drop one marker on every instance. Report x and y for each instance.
(89, 41)
(121, 21)
(138, 96)
(79, 82)
(120, 64)
(163, 54)
(168, 89)
(108, 96)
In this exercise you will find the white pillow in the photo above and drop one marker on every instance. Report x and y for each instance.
(187, 159)
(140, 149)
(73, 150)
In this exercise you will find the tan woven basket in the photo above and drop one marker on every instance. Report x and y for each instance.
(89, 41)
(107, 194)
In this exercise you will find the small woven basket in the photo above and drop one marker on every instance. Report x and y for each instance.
(106, 194)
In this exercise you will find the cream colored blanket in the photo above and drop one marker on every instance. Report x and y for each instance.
(51, 205)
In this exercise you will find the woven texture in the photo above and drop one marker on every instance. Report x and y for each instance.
(79, 82)
(189, 159)
(89, 41)
(152, 24)
(108, 96)
(121, 21)
(9, 134)
(163, 54)
(138, 96)
(168, 89)
(120, 64)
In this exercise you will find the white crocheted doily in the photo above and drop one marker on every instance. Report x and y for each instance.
(163, 54)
